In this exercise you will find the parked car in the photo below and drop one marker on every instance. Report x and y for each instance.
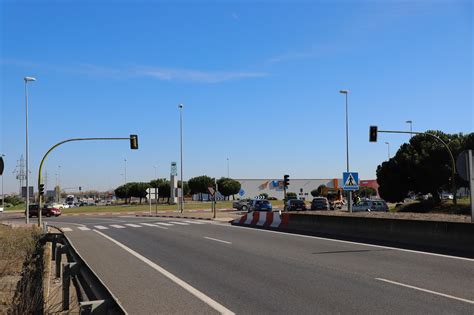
(320, 203)
(260, 205)
(294, 205)
(242, 205)
(370, 205)
(47, 211)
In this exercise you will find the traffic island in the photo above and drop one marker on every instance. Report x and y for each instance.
(454, 238)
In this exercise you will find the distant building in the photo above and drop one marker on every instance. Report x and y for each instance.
(252, 188)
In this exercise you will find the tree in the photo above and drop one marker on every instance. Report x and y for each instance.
(366, 192)
(320, 191)
(228, 186)
(423, 166)
(199, 185)
(291, 195)
(123, 192)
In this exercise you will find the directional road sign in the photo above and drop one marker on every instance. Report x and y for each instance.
(152, 193)
(350, 180)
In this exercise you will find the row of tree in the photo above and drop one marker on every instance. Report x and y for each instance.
(422, 166)
(197, 185)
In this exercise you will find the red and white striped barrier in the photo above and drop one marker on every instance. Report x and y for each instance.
(265, 219)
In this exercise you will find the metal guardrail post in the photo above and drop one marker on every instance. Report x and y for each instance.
(59, 252)
(70, 270)
(53, 248)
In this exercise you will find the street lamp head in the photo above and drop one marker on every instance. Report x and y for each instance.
(344, 91)
(408, 121)
(387, 143)
(29, 79)
(180, 106)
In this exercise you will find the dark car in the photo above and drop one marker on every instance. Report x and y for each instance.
(241, 205)
(294, 205)
(47, 211)
(320, 203)
(260, 205)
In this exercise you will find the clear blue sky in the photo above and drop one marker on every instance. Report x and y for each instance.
(259, 82)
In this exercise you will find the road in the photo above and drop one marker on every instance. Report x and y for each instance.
(158, 265)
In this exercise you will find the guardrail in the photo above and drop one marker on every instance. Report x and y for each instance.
(93, 295)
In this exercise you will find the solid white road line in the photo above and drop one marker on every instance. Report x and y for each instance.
(83, 228)
(162, 223)
(101, 227)
(132, 225)
(179, 223)
(425, 290)
(206, 299)
(194, 222)
(215, 239)
(117, 226)
(349, 242)
(66, 229)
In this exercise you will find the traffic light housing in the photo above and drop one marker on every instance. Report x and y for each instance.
(41, 189)
(134, 142)
(286, 181)
(373, 134)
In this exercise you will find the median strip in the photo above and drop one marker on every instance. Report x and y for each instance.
(426, 290)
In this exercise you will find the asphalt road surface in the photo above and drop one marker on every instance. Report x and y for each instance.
(166, 266)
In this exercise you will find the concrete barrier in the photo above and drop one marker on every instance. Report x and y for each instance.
(445, 237)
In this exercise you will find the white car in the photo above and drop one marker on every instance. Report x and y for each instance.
(370, 205)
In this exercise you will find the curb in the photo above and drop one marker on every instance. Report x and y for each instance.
(172, 216)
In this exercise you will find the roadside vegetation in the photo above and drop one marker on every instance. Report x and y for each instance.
(21, 270)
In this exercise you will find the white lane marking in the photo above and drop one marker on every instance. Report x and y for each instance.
(126, 216)
(215, 239)
(179, 223)
(101, 227)
(194, 222)
(153, 225)
(83, 228)
(350, 242)
(206, 299)
(66, 229)
(117, 226)
(162, 223)
(426, 290)
(132, 225)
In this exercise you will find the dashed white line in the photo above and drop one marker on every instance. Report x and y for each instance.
(83, 228)
(66, 229)
(162, 223)
(426, 290)
(101, 227)
(179, 223)
(117, 226)
(215, 239)
(133, 225)
(147, 224)
(194, 222)
(206, 299)
(154, 225)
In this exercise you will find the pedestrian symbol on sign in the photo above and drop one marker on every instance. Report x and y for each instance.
(351, 180)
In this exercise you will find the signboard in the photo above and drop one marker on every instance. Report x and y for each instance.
(241, 192)
(350, 180)
(2, 165)
(174, 169)
(462, 164)
(23, 192)
(211, 190)
(152, 193)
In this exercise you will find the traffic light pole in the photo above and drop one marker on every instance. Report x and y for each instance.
(453, 163)
(133, 143)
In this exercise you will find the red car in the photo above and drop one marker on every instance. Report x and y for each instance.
(47, 211)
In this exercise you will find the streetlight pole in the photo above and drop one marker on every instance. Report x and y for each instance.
(27, 79)
(346, 92)
(125, 173)
(3, 195)
(411, 127)
(388, 148)
(180, 106)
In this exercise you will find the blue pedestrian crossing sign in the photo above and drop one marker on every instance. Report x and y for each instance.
(350, 180)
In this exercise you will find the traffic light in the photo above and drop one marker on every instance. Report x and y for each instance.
(373, 134)
(286, 181)
(133, 142)
(41, 189)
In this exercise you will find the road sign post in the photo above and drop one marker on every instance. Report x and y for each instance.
(150, 194)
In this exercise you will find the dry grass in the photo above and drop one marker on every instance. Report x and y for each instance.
(17, 245)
